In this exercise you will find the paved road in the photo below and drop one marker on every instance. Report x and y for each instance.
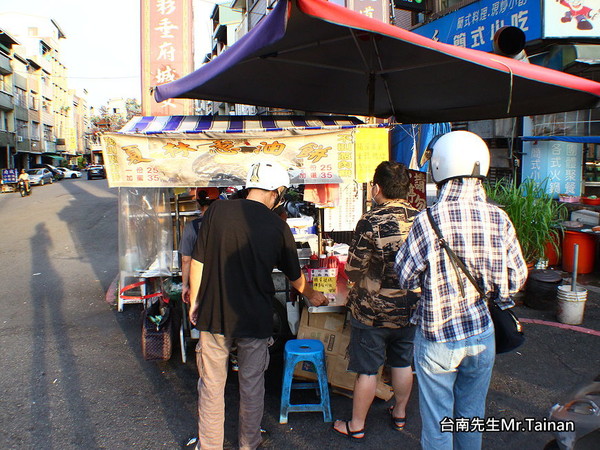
(73, 377)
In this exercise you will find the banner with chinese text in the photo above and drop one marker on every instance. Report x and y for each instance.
(558, 163)
(142, 161)
(167, 52)
(372, 147)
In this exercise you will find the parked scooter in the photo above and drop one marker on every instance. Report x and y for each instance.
(580, 413)
(24, 188)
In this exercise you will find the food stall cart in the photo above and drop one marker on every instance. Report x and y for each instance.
(152, 159)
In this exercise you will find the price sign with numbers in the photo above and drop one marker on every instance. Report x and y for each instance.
(324, 280)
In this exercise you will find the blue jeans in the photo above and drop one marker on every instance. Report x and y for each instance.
(453, 379)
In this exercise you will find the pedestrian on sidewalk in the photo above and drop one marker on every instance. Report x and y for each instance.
(381, 310)
(454, 342)
(231, 292)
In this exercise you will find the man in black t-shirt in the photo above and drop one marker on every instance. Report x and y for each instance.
(231, 290)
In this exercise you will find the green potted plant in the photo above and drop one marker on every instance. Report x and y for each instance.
(537, 217)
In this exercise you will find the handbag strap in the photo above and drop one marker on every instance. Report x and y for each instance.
(454, 258)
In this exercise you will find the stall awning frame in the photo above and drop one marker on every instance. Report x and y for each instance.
(314, 55)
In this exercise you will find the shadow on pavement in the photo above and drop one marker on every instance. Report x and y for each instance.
(51, 340)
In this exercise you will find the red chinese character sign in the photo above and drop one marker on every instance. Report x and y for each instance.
(167, 52)
(142, 161)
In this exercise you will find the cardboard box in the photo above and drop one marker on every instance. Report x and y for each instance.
(334, 331)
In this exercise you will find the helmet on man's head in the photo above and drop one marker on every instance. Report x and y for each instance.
(267, 175)
(458, 154)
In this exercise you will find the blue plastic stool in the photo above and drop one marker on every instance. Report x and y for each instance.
(299, 350)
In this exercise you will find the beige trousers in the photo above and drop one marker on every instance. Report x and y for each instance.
(212, 357)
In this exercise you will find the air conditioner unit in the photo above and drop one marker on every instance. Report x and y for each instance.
(19, 138)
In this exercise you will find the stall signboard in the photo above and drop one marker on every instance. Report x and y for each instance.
(475, 25)
(134, 160)
(417, 191)
(372, 147)
(556, 163)
(10, 175)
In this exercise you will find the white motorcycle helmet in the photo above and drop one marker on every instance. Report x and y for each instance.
(458, 154)
(268, 176)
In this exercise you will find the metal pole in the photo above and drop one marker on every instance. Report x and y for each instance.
(575, 259)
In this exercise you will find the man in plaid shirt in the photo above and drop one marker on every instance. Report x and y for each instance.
(454, 342)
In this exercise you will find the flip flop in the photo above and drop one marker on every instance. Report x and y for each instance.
(398, 423)
(359, 434)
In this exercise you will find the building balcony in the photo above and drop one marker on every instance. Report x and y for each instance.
(5, 67)
(7, 138)
(6, 101)
(49, 146)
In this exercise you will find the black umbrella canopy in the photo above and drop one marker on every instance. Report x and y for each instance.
(312, 55)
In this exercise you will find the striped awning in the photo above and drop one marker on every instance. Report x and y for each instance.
(235, 124)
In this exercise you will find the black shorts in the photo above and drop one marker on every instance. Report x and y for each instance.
(370, 347)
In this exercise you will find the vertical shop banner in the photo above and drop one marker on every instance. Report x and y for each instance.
(558, 163)
(167, 52)
(417, 191)
(375, 9)
(475, 25)
(571, 18)
(141, 161)
(372, 147)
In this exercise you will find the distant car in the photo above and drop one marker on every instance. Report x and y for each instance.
(39, 176)
(95, 172)
(56, 174)
(68, 173)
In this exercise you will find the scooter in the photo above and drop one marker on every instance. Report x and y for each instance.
(24, 188)
(580, 415)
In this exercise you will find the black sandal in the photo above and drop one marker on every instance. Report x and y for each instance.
(398, 423)
(359, 434)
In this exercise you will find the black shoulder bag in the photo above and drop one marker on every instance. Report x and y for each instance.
(508, 329)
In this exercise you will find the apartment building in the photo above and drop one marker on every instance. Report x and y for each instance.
(46, 118)
(7, 123)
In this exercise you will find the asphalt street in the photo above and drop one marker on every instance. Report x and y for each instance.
(73, 375)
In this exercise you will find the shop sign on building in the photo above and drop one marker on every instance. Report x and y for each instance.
(475, 25)
(556, 163)
(571, 18)
(375, 9)
(167, 52)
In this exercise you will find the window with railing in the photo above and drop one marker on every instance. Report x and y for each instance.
(21, 128)
(572, 123)
(20, 97)
(33, 102)
(48, 136)
(35, 131)
(3, 120)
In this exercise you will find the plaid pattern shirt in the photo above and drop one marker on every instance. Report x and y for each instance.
(483, 236)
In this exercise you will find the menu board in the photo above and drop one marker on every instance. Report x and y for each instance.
(349, 208)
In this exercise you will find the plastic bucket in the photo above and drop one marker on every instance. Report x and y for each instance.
(587, 251)
(571, 305)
